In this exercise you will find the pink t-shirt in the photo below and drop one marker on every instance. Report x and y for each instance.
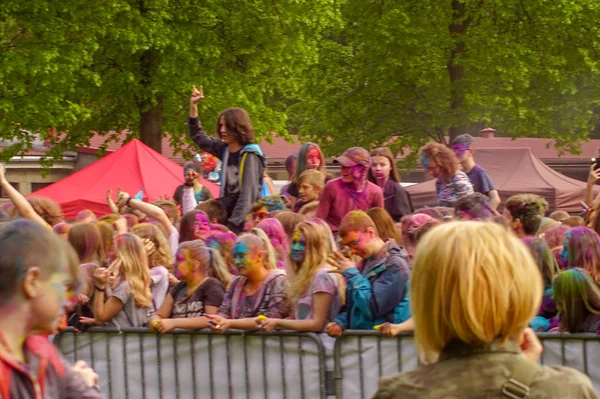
(338, 199)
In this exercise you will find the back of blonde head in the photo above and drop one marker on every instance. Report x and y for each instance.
(132, 266)
(162, 254)
(258, 239)
(474, 282)
(210, 260)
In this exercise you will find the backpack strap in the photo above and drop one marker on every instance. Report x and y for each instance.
(242, 163)
(518, 385)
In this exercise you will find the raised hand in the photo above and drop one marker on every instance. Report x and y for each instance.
(197, 95)
(339, 262)
(100, 277)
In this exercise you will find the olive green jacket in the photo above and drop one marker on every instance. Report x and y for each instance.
(481, 372)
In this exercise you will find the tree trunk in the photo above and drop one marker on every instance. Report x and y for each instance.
(151, 122)
(456, 71)
(151, 109)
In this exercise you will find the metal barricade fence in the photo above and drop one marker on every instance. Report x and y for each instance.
(138, 363)
(361, 358)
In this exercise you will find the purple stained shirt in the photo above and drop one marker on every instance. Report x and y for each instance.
(337, 200)
(322, 282)
(482, 183)
(449, 191)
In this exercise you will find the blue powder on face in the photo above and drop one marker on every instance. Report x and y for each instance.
(425, 162)
(240, 254)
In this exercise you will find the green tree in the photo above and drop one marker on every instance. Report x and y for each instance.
(404, 73)
(141, 58)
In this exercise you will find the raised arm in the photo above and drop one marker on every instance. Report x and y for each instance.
(151, 210)
(197, 134)
(593, 177)
(111, 204)
(19, 201)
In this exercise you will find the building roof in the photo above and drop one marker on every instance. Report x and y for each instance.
(281, 148)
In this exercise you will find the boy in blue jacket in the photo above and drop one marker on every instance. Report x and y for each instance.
(378, 285)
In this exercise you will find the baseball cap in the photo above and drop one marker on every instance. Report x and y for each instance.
(354, 156)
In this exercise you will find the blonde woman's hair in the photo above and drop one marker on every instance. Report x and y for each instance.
(211, 261)
(317, 249)
(474, 282)
(131, 265)
(162, 255)
(302, 274)
(262, 244)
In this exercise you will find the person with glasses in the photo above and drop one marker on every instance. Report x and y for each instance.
(377, 287)
(264, 208)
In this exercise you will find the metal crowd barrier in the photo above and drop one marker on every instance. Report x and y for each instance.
(361, 358)
(138, 363)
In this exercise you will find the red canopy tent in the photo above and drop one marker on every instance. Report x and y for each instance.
(133, 167)
(516, 171)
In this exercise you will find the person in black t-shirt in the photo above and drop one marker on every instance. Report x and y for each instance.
(204, 278)
(243, 161)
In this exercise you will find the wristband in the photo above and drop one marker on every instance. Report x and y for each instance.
(128, 201)
(99, 289)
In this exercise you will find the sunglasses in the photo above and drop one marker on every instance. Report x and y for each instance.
(259, 216)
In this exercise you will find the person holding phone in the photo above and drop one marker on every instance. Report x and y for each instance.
(377, 288)
(593, 178)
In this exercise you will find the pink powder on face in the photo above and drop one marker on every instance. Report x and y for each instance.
(359, 173)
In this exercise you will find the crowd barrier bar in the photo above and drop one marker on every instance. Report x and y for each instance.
(378, 357)
(94, 335)
(360, 359)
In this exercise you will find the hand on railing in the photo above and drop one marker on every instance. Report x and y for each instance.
(162, 325)
(217, 323)
(334, 330)
(265, 323)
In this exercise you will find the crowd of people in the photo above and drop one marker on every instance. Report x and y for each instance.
(324, 255)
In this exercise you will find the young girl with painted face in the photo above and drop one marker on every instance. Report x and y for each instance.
(441, 163)
(160, 260)
(204, 278)
(122, 295)
(195, 225)
(352, 191)
(317, 295)
(383, 172)
(310, 156)
(258, 290)
(578, 300)
(243, 161)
